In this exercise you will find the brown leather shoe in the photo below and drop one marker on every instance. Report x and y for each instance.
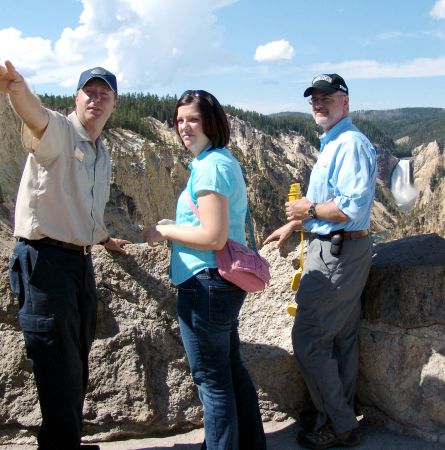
(307, 419)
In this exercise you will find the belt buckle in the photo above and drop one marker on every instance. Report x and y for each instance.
(85, 250)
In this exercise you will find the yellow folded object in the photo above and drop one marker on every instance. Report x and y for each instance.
(292, 309)
(295, 194)
(295, 282)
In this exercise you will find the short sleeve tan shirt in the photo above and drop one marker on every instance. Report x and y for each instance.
(65, 185)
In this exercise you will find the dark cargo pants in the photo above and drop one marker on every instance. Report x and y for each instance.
(57, 313)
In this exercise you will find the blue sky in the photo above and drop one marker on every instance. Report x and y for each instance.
(254, 54)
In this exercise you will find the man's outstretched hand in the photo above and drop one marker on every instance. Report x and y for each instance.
(282, 234)
(10, 79)
(117, 245)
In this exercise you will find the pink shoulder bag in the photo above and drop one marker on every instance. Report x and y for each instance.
(239, 264)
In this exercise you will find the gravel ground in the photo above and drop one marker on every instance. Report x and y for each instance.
(280, 436)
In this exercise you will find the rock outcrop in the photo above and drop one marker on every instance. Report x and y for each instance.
(386, 162)
(12, 157)
(148, 176)
(139, 381)
(140, 384)
(402, 345)
(428, 213)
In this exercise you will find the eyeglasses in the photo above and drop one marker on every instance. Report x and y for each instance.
(324, 101)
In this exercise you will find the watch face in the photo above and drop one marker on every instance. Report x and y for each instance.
(312, 212)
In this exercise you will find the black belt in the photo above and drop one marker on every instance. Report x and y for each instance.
(85, 249)
(347, 235)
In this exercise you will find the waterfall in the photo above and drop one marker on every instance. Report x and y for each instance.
(402, 187)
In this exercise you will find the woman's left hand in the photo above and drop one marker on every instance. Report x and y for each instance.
(152, 235)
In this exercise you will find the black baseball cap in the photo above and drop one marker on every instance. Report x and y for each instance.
(98, 72)
(327, 83)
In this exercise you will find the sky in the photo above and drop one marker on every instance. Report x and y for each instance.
(257, 55)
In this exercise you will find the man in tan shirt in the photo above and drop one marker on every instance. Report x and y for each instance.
(59, 215)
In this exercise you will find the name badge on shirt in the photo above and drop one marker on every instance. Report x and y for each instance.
(79, 154)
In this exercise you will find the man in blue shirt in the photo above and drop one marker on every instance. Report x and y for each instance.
(336, 211)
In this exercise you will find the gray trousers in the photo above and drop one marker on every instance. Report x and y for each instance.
(325, 331)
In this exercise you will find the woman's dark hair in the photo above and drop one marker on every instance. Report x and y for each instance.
(214, 120)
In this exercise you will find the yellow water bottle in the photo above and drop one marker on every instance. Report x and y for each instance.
(295, 194)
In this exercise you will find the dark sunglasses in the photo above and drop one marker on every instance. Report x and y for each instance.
(195, 93)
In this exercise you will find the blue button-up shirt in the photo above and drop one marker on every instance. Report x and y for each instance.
(345, 172)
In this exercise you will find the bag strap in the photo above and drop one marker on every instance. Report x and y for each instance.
(192, 206)
(251, 233)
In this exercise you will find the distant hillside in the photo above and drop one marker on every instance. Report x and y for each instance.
(375, 133)
(292, 113)
(134, 108)
(398, 131)
(274, 124)
(417, 125)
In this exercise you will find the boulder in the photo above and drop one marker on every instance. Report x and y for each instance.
(140, 383)
(402, 346)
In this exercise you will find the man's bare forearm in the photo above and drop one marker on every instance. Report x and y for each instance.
(24, 102)
(31, 111)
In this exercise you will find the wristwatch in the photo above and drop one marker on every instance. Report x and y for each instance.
(311, 211)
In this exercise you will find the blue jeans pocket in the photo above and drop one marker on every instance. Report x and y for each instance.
(225, 303)
(36, 323)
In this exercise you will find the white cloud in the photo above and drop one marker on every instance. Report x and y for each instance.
(274, 51)
(367, 69)
(147, 43)
(33, 51)
(436, 33)
(438, 11)
(388, 35)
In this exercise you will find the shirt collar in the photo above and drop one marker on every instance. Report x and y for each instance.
(336, 130)
(204, 153)
(80, 129)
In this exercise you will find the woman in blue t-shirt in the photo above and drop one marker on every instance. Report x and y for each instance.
(208, 305)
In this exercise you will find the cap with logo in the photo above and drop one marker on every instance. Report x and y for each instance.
(327, 83)
(98, 72)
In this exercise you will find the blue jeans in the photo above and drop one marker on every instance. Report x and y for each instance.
(208, 309)
(57, 299)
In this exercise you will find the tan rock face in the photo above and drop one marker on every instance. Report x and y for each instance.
(428, 214)
(12, 157)
(428, 159)
(385, 164)
(140, 382)
(402, 367)
(148, 176)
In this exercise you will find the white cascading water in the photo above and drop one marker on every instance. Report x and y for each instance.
(402, 187)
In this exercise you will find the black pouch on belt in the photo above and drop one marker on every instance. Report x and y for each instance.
(336, 242)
